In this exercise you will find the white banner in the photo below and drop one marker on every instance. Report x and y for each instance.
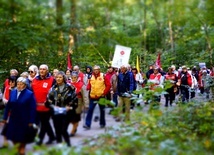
(121, 56)
(202, 64)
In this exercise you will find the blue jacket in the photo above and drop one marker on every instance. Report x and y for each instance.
(22, 112)
(125, 83)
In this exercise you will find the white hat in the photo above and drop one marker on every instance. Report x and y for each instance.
(33, 68)
(204, 71)
(184, 67)
(96, 67)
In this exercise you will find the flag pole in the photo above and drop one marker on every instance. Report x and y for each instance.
(137, 65)
(158, 60)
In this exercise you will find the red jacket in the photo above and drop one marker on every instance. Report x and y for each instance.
(81, 77)
(188, 77)
(41, 88)
(78, 85)
(7, 92)
(155, 79)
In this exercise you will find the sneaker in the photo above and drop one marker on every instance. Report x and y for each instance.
(117, 120)
(50, 141)
(39, 143)
(72, 135)
(86, 127)
(4, 147)
(96, 119)
(102, 126)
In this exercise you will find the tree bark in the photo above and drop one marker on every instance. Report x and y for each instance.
(12, 10)
(59, 22)
(207, 36)
(73, 28)
(144, 26)
(59, 12)
(171, 36)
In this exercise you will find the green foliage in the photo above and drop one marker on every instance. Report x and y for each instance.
(33, 38)
(182, 130)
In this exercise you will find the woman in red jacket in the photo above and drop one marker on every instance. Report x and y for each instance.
(82, 98)
(10, 86)
(172, 78)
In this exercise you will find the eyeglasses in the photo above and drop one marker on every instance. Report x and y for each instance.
(30, 72)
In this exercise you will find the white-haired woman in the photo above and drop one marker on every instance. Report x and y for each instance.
(33, 72)
(22, 108)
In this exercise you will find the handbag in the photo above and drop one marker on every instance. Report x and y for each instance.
(2, 105)
(59, 110)
(31, 134)
(4, 129)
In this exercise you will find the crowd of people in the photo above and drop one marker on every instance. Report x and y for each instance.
(33, 98)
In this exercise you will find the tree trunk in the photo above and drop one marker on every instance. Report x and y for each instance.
(209, 46)
(59, 22)
(171, 36)
(73, 29)
(144, 26)
(12, 10)
(59, 12)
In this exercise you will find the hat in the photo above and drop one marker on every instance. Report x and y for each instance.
(204, 71)
(134, 68)
(96, 67)
(184, 67)
(173, 67)
(33, 68)
(156, 67)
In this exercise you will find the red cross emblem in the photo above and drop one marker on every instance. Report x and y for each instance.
(122, 53)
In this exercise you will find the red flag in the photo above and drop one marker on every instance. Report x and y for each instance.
(69, 63)
(158, 62)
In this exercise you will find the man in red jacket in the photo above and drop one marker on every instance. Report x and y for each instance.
(99, 86)
(41, 86)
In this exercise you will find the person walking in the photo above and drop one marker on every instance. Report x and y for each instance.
(185, 81)
(98, 86)
(82, 99)
(88, 74)
(125, 87)
(33, 71)
(212, 83)
(41, 86)
(172, 78)
(206, 81)
(13, 73)
(80, 74)
(62, 101)
(22, 108)
(156, 79)
(5, 98)
(113, 90)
